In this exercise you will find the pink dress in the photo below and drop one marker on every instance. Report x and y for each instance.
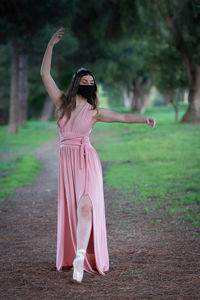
(80, 172)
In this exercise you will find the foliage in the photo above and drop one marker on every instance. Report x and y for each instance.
(16, 24)
(117, 40)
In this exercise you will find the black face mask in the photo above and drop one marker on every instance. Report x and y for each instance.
(86, 90)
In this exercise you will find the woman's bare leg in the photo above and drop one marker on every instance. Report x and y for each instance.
(84, 225)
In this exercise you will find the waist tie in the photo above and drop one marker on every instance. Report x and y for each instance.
(83, 143)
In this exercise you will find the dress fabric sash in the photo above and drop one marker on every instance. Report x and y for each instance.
(83, 142)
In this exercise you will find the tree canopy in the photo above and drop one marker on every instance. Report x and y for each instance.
(125, 43)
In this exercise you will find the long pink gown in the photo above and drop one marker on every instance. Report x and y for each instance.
(80, 172)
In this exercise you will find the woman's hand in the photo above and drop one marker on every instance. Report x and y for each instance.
(151, 122)
(56, 37)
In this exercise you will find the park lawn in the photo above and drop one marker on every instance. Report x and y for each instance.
(29, 137)
(17, 172)
(160, 165)
(22, 167)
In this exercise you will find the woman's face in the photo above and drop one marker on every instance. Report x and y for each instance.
(87, 80)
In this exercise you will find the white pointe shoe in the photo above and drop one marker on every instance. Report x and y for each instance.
(80, 255)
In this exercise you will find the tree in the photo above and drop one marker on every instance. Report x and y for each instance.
(14, 93)
(22, 90)
(20, 29)
(107, 46)
(182, 20)
(4, 83)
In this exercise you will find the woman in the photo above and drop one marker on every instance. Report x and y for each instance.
(81, 226)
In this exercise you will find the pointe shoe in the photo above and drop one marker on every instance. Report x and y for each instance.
(80, 255)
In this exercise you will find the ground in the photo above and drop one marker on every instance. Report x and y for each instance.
(151, 256)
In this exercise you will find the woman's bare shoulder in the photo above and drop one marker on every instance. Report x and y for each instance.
(95, 112)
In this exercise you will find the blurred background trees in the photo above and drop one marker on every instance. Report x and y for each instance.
(133, 48)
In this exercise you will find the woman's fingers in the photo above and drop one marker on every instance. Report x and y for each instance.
(57, 36)
(151, 122)
(60, 33)
(61, 29)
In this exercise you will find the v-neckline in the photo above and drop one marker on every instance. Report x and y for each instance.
(72, 124)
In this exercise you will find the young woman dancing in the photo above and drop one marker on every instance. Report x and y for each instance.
(81, 223)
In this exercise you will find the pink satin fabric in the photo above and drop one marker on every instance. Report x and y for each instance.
(80, 173)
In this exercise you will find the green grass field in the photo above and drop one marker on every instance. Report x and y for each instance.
(29, 137)
(21, 168)
(160, 166)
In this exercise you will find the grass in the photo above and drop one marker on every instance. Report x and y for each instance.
(21, 167)
(29, 137)
(17, 172)
(160, 165)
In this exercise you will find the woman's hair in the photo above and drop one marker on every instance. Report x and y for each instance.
(67, 101)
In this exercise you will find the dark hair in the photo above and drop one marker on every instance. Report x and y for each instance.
(67, 101)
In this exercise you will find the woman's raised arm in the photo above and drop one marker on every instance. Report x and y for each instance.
(54, 92)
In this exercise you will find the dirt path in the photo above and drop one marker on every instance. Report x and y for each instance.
(150, 258)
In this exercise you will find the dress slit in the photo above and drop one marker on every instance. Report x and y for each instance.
(90, 249)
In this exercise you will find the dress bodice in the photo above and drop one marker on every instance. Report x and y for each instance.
(81, 124)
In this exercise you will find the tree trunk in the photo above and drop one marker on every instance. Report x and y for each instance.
(175, 103)
(141, 94)
(137, 95)
(148, 99)
(127, 96)
(185, 99)
(47, 110)
(169, 97)
(14, 94)
(193, 112)
(23, 90)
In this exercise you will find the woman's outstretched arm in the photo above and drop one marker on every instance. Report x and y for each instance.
(54, 92)
(105, 115)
